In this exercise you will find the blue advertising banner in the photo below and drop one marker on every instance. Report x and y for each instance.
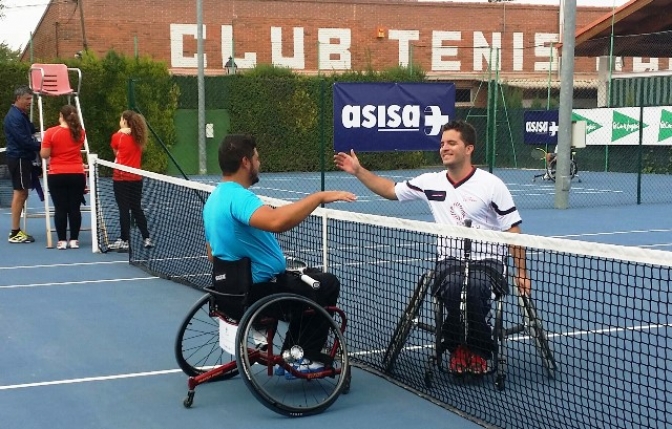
(376, 117)
(541, 127)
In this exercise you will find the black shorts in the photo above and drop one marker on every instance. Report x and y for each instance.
(21, 172)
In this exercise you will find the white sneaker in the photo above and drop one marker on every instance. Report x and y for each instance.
(123, 247)
(74, 244)
(116, 244)
(305, 366)
(147, 243)
(62, 245)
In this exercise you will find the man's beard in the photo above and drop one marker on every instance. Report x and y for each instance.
(254, 177)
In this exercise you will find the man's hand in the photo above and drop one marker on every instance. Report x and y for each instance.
(347, 162)
(524, 285)
(331, 196)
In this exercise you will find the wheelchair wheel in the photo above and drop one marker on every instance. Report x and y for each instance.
(536, 331)
(550, 169)
(406, 321)
(197, 344)
(286, 380)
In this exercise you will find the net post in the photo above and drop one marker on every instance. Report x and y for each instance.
(93, 174)
(325, 243)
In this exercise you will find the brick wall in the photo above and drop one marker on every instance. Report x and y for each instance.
(452, 38)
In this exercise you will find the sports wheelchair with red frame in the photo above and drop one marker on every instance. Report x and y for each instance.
(212, 346)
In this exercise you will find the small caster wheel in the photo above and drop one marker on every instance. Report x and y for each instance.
(499, 382)
(189, 400)
(429, 378)
(346, 384)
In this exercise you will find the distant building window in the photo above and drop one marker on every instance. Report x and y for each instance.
(463, 95)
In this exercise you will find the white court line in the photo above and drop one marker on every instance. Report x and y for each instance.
(636, 231)
(282, 190)
(90, 379)
(527, 337)
(76, 264)
(31, 285)
(361, 353)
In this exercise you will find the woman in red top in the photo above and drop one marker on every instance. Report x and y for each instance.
(128, 144)
(62, 146)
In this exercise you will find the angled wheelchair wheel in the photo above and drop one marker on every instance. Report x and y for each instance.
(536, 331)
(573, 169)
(406, 322)
(197, 347)
(279, 372)
(550, 169)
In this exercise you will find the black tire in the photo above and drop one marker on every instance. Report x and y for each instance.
(197, 347)
(550, 169)
(438, 308)
(536, 331)
(287, 395)
(405, 323)
(189, 400)
(499, 382)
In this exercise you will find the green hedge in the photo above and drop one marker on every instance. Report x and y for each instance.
(104, 95)
(291, 116)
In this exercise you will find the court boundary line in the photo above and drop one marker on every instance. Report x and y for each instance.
(359, 353)
(74, 264)
(89, 379)
(548, 335)
(82, 282)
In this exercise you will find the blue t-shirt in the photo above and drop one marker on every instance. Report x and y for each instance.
(227, 216)
(19, 135)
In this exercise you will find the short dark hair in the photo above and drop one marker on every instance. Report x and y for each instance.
(466, 130)
(233, 149)
(22, 90)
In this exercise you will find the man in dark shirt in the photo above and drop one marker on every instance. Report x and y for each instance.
(20, 153)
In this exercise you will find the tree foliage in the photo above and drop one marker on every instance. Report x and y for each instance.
(8, 54)
(104, 95)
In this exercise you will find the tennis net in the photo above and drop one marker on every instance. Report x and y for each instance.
(595, 355)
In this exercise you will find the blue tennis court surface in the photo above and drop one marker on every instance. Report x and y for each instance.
(88, 340)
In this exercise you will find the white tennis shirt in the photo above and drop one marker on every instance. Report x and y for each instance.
(481, 197)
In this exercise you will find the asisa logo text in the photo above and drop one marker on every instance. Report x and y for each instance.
(394, 118)
(542, 127)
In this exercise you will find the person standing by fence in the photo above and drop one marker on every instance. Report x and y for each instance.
(128, 144)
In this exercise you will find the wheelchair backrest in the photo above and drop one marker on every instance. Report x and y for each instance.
(231, 282)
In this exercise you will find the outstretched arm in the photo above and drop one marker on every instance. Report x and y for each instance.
(284, 218)
(350, 164)
(520, 262)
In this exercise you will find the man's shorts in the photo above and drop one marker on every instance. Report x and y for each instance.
(21, 172)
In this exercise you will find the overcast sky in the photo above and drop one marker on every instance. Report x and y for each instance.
(22, 16)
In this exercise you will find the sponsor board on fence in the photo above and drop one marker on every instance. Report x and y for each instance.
(606, 126)
(376, 117)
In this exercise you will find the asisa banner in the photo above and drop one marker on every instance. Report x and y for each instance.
(377, 117)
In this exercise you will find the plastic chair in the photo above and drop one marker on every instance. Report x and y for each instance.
(51, 79)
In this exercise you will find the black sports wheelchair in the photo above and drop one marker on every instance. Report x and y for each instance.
(550, 165)
(215, 342)
(411, 318)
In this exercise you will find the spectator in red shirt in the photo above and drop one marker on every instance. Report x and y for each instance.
(128, 144)
(62, 146)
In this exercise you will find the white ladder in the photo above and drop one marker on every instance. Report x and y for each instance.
(53, 80)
